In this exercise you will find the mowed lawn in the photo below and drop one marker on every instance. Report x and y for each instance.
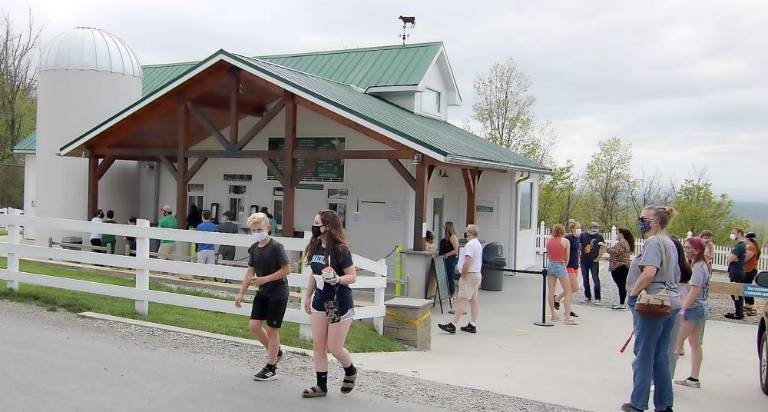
(362, 336)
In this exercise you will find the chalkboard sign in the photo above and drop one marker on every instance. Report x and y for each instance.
(438, 268)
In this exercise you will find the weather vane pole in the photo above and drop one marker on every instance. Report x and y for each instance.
(408, 23)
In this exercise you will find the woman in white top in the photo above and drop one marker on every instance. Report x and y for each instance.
(98, 217)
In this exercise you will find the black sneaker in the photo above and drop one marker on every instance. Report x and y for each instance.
(627, 407)
(557, 305)
(574, 315)
(265, 374)
(734, 316)
(448, 327)
(470, 328)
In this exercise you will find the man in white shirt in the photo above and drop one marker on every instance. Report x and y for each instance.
(469, 283)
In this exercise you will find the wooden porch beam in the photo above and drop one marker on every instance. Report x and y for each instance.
(353, 154)
(289, 191)
(430, 170)
(234, 113)
(275, 171)
(208, 124)
(471, 178)
(194, 169)
(304, 171)
(123, 153)
(104, 166)
(93, 186)
(168, 165)
(182, 127)
(268, 116)
(422, 186)
(404, 173)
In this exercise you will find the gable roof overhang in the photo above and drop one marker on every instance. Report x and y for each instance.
(156, 110)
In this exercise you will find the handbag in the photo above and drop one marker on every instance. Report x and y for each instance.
(656, 305)
(332, 309)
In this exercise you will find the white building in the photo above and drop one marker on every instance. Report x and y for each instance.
(366, 135)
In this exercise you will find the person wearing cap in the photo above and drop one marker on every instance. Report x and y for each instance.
(592, 248)
(167, 247)
(750, 269)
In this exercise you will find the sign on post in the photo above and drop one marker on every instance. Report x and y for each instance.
(755, 291)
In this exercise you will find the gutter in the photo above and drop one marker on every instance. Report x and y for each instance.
(495, 165)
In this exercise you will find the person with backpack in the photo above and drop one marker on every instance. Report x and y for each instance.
(750, 269)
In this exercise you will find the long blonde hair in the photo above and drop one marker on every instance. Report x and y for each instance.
(450, 230)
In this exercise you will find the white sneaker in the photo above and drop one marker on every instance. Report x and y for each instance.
(596, 302)
(689, 383)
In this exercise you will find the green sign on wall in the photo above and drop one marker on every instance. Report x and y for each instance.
(327, 170)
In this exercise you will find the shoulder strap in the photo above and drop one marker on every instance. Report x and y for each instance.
(662, 239)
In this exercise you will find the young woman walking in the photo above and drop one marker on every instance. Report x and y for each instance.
(618, 264)
(328, 300)
(558, 252)
(574, 231)
(449, 247)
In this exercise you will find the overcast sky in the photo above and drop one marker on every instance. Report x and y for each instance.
(686, 82)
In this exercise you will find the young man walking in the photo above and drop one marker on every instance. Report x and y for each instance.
(470, 263)
(268, 266)
(592, 248)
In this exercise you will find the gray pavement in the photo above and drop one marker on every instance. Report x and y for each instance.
(49, 368)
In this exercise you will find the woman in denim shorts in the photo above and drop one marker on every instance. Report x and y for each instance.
(558, 252)
(695, 308)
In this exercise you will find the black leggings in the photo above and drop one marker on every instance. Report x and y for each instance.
(620, 277)
(749, 277)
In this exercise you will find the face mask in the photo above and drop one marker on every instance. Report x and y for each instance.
(578, 232)
(593, 231)
(644, 225)
(732, 236)
(259, 236)
(316, 232)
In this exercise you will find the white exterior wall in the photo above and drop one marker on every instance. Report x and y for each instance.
(29, 192)
(436, 78)
(69, 103)
(406, 100)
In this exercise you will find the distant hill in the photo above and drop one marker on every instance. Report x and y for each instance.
(756, 212)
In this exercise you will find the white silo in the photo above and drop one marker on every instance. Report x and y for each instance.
(86, 75)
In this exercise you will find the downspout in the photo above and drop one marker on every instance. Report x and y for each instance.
(523, 177)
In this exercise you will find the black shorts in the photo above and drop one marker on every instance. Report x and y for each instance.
(270, 310)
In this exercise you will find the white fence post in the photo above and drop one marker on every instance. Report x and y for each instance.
(305, 330)
(13, 258)
(378, 300)
(142, 274)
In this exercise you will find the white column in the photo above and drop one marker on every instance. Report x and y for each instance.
(305, 330)
(142, 274)
(378, 300)
(13, 258)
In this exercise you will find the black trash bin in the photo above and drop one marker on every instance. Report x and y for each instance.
(71, 240)
(493, 263)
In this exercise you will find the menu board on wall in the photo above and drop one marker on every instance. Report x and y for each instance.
(326, 170)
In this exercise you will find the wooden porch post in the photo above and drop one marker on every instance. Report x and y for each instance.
(289, 188)
(182, 125)
(470, 184)
(422, 183)
(93, 186)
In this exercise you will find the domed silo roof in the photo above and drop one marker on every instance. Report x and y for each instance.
(88, 48)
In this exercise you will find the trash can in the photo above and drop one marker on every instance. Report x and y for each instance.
(73, 240)
(493, 263)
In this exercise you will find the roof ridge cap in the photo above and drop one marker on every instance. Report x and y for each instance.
(352, 86)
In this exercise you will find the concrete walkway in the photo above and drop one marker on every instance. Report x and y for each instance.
(46, 368)
(578, 366)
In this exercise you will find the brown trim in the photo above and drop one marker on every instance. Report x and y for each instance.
(234, 115)
(430, 170)
(123, 153)
(104, 166)
(404, 173)
(422, 185)
(289, 191)
(268, 116)
(182, 126)
(208, 124)
(194, 169)
(93, 186)
(168, 165)
(471, 180)
(304, 171)
(352, 154)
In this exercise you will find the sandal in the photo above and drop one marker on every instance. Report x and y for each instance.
(314, 392)
(348, 383)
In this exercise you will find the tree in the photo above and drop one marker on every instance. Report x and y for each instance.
(557, 196)
(608, 179)
(698, 208)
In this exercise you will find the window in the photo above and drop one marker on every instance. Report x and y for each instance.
(430, 101)
(237, 178)
(326, 171)
(236, 202)
(195, 188)
(195, 195)
(526, 202)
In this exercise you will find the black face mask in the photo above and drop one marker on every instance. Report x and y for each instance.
(316, 231)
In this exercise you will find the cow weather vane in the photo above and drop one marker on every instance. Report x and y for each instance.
(408, 23)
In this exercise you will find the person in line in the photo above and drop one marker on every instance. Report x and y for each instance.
(167, 247)
(227, 252)
(130, 239)
(194, 218)
(328, 300)
(109, 240)
(268, 266)
(592, 248)
(206, 252)
(429, 242)
(695, 308)
(709, 252)
(736, 274)
(272, 220)
(98, 217)
(449, 247)
(558, 253)
(618, 264)
(653, 270)
(750, 269)
(469, 283)
(574, 232)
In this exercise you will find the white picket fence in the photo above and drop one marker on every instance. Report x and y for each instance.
(142, 264)
(719, 262)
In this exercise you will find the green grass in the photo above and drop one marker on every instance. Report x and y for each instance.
(362, 336)
(3, 232)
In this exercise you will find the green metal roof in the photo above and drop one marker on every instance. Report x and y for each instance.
(28, 144)
(362, 67)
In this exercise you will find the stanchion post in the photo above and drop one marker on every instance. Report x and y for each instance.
(544, 294)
